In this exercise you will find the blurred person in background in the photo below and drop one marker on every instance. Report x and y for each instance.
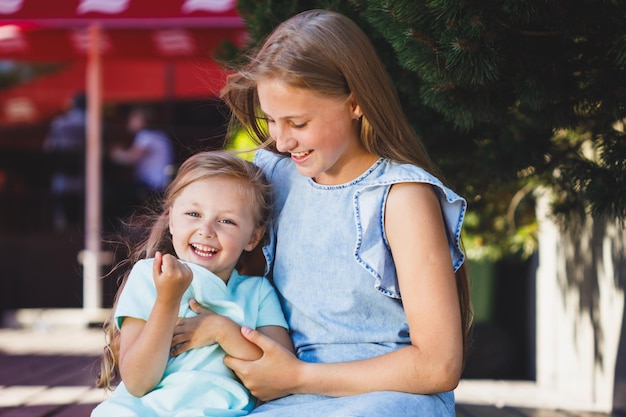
(151, 155)
(66, 144)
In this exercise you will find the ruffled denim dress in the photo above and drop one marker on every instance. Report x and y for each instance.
(330, 261)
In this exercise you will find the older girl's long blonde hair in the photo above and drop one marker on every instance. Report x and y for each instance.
(327, 53)
(200, 166)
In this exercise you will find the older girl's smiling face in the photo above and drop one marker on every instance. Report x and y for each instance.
(320, 133)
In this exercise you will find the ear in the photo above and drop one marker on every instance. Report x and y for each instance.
(355, 108)
(255, 238)
(168, 213)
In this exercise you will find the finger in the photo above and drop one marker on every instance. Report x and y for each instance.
(199, 309)
(258, 338)
(157, 264)
(178, 339)
(167, 261)
(181, 326)
(181, 342)
(196, 307)
(181, 348)
(235, 364)
(186, 268)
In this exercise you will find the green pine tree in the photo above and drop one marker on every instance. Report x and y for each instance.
(507, 95)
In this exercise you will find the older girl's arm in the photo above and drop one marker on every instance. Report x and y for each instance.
(432, 363)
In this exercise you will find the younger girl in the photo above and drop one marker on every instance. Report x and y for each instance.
(365, 250)
(215, 209)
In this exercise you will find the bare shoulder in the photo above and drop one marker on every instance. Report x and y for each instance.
(413, 217)
(412, 196)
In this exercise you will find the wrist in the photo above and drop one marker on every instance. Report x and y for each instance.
(167, 305)
(224, 327)
(301, 374)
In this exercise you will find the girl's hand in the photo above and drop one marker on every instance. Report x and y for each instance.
(193, 332)
(171, 277)
(274, 375)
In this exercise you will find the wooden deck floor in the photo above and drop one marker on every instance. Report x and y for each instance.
(51, 374)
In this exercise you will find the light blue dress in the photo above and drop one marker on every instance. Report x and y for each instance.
(332, 266)
(196, 383)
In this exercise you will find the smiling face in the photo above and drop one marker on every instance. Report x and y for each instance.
(320, 133)
(212, 223)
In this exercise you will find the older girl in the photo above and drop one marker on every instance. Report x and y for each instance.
(365, 248)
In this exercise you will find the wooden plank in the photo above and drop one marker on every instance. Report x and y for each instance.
(532, 412)
(474, 410)
(477, 410)
(461, 411)
(14, 396)
(34, 369)
(79, 371)
(47, 410)
(59, 395)
(58, 367)
(17, 370)
(48, 402)
(49, 370)
(76, 410)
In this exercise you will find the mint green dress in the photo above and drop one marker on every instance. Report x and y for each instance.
(196, 383)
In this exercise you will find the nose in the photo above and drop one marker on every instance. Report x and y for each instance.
(206, 230)
(284, 141)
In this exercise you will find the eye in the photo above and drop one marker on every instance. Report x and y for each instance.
(193, 214)
(298, 126)
(227, 221)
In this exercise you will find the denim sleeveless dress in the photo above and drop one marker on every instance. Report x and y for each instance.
(330, 262)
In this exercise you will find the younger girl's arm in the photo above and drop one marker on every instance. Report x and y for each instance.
(144, 345)
(208, 328)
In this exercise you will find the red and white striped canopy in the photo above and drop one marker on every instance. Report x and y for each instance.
(44, 30)
(150, 50)
(129, 13)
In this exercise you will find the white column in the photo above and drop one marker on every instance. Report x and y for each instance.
(92, 287)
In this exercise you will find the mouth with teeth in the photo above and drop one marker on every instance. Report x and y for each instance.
(203, 251)
(300, 155)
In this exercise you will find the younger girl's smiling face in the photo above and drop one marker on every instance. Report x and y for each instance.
(212, 222)
(320, 133)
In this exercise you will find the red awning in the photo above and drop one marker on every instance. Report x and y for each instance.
(28, 43)
(122, 13)
(96, 33)
(149, 50)
(123, 81)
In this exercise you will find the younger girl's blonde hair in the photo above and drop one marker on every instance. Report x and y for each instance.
(198, 167)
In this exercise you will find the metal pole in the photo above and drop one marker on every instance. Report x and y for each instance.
(92, 287)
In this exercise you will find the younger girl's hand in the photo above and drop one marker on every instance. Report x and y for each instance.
(171, 277)
(193, 332)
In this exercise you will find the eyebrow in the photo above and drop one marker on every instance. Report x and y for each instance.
(295, 116)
